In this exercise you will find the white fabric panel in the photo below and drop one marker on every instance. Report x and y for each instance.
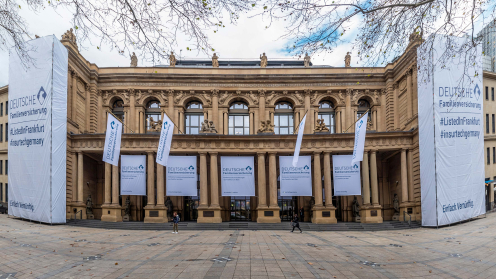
(112, 148)
(301, 129)
(458, 122)
(133, 175)
(346, 177)
(164, 144)
(358, 147)
(37, 136)
(182, 179)
(295, 181)
(238, 176)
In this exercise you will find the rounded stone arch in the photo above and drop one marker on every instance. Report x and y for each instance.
(147, 99)
(114, 98)
(290, 99)
(187, 99)
(368, 97)
(327, 97)
(236, 98)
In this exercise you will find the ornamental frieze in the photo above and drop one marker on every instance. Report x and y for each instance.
(237, 85)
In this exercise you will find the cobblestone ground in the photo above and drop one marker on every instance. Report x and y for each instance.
(30, 250)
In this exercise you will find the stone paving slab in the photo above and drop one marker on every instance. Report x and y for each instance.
(32, 250)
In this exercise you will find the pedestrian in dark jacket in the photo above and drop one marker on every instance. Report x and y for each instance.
(296, 223)
(175, 219)
(302, 214)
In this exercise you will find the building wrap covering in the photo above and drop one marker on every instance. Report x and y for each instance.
(38, 132)
(451, 138)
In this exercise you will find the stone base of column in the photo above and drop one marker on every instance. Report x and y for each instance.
(324, 215)
(111, 213)
(371, 214)
(155, 214)
(268, 215)
(408, 207)
(78, 207)
(209, 215)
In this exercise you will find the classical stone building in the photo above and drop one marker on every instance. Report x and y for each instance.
(489, 82)
(237, 98)
(4, 138)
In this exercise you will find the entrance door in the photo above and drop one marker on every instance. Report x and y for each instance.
(287, 208)
(191, 208)
(240, 209)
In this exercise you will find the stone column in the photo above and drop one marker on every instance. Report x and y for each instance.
(382, 118)
(226, 123)
(348, 117)
(160, 186)
(181, 121)
(132, 111)
(396, 107)
(373, 177)
(409, 93)
(414, 89)
(252, 123)
(108, 181)
(203, 181)
(365, 178)
(215, 107)
(101, 113)
(337, 120)
(115, 185)
(404, 177)
(327, 179)
(410, 175)
(214, 181)
(150, 180)
(272, 180)
(80, 197)
(262, 190)
(261, 106)
(74, 96)
(317, 180)
(74, 156)
(309, 120)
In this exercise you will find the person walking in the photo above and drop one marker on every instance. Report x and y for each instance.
(296, 223)
(175, 219)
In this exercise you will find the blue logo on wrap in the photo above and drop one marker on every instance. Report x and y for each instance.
(361, 122)
(477, 92)
(165, 123)
(355, 166)
(248, 168)
(42, 95)
(191, 168)
(112, 124)
(306, 167)
(141, 167)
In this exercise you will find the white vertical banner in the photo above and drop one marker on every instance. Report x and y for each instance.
(112, 148)
(133, 175)
(164, 144)
(451, 135)
(295, 181)
(346, 176)
(37, 133)
(237, 176)
(182, 179)
(360, 131)
(301, 129)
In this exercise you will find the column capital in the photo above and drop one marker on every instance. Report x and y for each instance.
(203, 153)
(272, 153)
(373, 150)
(327, 152)
(317, 152)
(149, 152)
(404, 149)
(213, 153)
(261, 153)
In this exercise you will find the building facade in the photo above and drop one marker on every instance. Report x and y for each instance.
(489, 82)
(239, 100)
(488, 34)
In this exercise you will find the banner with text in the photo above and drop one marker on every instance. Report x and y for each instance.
(164, 143)
(133, 175)
(358, 147)
(182, 179)
(112, 148)
(238, 176)
(299, 138)
(295, 181)
(451, 138)
(37, 132)
(346, 177)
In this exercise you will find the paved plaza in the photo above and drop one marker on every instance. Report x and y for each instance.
(31, 250)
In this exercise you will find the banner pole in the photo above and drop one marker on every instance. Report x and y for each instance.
(358, 119)
(298, 126)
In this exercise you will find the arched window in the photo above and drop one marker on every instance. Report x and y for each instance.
(283, 119)
(326, 112)
(193, 117)
(363, 106)
(239, 119)
(152, 115)
(118, 109)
